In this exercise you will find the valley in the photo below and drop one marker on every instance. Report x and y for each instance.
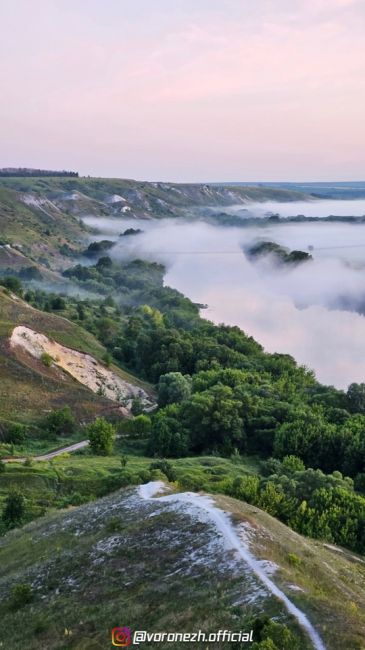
(118, 380)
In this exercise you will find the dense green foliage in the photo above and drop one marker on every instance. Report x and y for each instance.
(101, 434)
(279, 253)
(319, 505)
(218, 392)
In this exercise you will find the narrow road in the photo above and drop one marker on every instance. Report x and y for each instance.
(52, 454)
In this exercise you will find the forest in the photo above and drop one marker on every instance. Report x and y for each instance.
(219, 393)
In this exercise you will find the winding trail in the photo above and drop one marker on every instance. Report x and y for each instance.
(223, 524)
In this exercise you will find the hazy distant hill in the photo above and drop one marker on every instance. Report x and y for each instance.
(323, 190)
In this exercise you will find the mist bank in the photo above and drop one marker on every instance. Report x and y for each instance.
(310, 208)
(305, 311)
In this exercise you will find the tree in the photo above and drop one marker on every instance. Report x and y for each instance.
(292, 464)
(15, 433)
(61, 422)
(102, 437)
(214, 420)
(307, 435)
(12, 283)
(139, 426)
(173, 387)
(108, 330)
(356, 398)
(104, 263)
(58, 303)
(168, 436)
(14, 509)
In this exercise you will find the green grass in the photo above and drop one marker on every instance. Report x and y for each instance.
(110, 564)
(97, 475)
(332, 582)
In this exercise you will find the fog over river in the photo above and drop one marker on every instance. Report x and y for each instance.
(306, 311)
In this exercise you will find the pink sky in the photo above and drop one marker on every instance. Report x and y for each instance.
(185, 90)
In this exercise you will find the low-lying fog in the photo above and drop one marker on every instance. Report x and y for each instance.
(310, 208)
(297, 310)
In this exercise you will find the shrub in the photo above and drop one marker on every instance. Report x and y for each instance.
(166, 468)
(139, 426)
(12, 283)
(14, 509)
(61, 421)
(291, 464)
(15, 433)
(20, 596)
(46, 359)
(114, 525)
(102, 437)
(294, 560)
(137, 406)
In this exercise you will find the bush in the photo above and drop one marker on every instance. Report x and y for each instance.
(137, 406)
(102, 437)
(46, 359)
(12, 283)
(294, 560)
(173, 387)
(20, 596)
(14, 509)
(139, 426)
(166, 468)
(15, 433)
(291, 464)
(61, 421)
(114, 525)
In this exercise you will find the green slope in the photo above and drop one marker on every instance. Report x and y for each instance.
(28, 390)
(122, 562)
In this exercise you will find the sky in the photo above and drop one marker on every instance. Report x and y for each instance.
(185, 90)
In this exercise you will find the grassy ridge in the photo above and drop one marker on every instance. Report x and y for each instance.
(111, 563)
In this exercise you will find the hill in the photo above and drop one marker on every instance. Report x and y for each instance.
(138, 198)
(28, 386)
(124, 561)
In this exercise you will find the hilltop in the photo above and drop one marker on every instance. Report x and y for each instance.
(125, 561)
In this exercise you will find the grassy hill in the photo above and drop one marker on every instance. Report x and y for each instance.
(104, 196)
(40, 218)
(122, 561)
(28, 388)
(36, 228)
